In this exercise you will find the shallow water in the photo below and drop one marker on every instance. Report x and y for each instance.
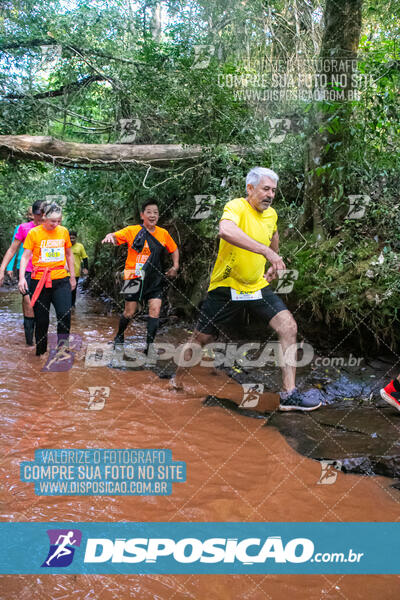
(237, 469)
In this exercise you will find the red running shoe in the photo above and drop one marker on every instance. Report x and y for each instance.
(391, 393)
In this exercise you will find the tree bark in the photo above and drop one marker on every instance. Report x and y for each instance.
(71, 154)
(336, 62)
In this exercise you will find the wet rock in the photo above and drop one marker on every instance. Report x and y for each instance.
(231, 405)
(365, 438)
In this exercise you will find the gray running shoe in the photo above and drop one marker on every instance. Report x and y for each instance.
(304, 401)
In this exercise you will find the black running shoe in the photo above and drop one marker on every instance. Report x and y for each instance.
(119, 339)
(304, 401)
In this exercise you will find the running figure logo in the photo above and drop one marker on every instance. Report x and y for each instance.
(329, 471)
(61, 551)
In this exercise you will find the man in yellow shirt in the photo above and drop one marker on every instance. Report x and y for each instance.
(249, 238)
(80, 256)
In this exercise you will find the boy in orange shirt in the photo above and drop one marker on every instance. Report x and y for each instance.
(143, 267)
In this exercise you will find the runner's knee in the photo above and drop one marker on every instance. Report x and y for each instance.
(287, 328)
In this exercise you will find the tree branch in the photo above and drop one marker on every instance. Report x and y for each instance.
(52, 42)
(68, 87)
(71, 154)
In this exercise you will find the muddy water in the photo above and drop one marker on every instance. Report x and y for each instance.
(237, 469)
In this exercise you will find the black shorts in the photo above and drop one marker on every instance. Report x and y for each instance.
(132, 291)
(28, 281)
(218, 308)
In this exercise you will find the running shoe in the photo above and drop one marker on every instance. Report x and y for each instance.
(304, 401)
(391, 393)
(119, 339)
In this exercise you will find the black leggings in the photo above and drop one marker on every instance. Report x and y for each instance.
(59, 295)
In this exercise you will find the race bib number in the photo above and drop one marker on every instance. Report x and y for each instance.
(52, 254)
(245, 295)
(138, 270)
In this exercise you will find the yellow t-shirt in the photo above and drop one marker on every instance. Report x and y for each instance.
(241, 269)
(79, 253)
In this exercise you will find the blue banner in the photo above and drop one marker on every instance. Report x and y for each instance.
(200, 548)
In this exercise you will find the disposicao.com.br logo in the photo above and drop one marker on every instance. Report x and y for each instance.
(192, 550)
(62, 547)
(247, 551)
(202, 548)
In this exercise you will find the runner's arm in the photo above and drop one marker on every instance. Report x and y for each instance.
(232, 234)
(172, 272)
(275, 242)
(26, 256)
(70, 262)
(13, 249)
(85, 263)
(272, 273)
(110, 239)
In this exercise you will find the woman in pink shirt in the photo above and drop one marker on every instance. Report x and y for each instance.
(23, 230)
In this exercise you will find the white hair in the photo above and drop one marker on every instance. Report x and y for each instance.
(254, 176)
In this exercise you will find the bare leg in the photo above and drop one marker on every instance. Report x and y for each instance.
(130, 309)
(286, 328)
(26, 306)
(152, 321)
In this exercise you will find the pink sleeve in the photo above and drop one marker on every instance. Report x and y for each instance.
(21, 234)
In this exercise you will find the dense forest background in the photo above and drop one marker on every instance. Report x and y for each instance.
(306, 87)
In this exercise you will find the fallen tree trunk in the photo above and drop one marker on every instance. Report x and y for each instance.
(71, 154)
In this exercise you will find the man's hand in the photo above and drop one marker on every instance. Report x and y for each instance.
(276, 261)
(271, 274)
(23, 286)
(72, 282)
(109, 239)
(85, 271)
(172, 272)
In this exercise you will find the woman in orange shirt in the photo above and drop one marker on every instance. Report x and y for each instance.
(49, 247)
